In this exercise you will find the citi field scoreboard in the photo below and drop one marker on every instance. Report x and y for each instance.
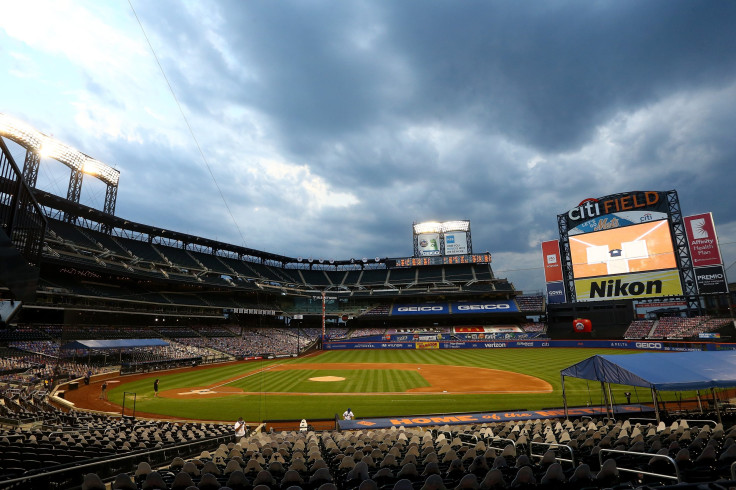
(633, 245)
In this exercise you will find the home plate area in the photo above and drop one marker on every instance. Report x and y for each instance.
(204, 391)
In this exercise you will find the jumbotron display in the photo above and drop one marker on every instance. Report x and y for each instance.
(635, 248)
(621, 246)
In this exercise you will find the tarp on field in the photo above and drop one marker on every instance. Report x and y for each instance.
(671, 371)
(114, 344)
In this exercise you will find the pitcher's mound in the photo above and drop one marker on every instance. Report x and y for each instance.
(327, 379)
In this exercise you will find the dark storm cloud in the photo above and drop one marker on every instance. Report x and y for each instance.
(546, 77)
(503, 113)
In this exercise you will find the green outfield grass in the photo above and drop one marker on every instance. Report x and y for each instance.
(355, 390)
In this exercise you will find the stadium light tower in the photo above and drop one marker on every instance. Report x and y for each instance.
(39, 145)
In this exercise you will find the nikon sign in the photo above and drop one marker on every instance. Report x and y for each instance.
(629, 286)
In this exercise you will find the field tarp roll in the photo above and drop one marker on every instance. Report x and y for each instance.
(114, 344)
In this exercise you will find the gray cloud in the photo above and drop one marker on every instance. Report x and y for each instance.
(503, 113)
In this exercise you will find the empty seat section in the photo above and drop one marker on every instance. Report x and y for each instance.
(315, 278)
(429, 274)
(351, 278)
(239, 267)
(374, 277)
(108, 242)
(265, 272)
(483, 272)
(402, 276)
(142, 250)
(70, 233)
(335, 277)
(212, 262)
(463, 272)
(179, 257)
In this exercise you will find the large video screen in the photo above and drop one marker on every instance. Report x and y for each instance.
(636, 248)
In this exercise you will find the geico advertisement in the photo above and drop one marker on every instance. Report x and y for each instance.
(500, 306)
(638, 248)
(642, 285)
(421, 309)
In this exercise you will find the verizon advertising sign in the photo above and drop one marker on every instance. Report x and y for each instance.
(702, 239)
(552, 262)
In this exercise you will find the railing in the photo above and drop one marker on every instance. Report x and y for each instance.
(21, 216)
(490, 440)
(552, 446)
(639, 471)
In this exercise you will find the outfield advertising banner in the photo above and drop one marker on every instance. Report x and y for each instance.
(500, 306)
(552, 261)
(556, 292)
(711, 280)
(629, 286)
(428, 345)
(702, 239)
(656, 345)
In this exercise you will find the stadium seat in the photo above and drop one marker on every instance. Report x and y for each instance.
(123, 482)
(493, 480)
(181, 481)
(403, 484)
(154, 481)
(238, 481)
(92, 482)
(368, 485)
(524, 478)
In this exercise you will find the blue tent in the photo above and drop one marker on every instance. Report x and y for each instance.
(663, 371)
(660, 371)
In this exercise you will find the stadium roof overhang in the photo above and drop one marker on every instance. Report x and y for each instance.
(671, 371)
(82, 211)
(114, 344)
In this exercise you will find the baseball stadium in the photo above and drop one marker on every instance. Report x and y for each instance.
(130, 351)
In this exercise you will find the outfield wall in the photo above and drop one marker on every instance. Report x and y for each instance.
(655, 345)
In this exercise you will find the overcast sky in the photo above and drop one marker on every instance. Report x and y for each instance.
(331, 126)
